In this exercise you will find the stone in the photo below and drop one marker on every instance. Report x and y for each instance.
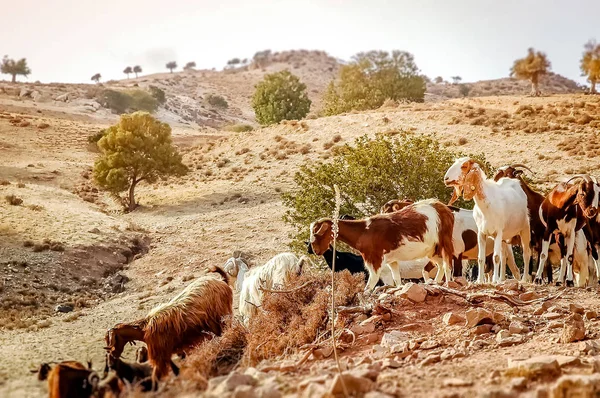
(94, 231)
(517, 327)
(37, 96)
(546, 365)
(269, 390)
(455, 382)
(429, 345)
(390, 363)
(430, 359)
(481, 329)
(376, 394)
(589, 347)
(461, 280)
(317, 379)
(394, 338)
(502, 334)
(234, 380)
(518, 383)
(115, 283)
(576, 386)
(552, 315)
(452, 318)
(576, 308)
(63, 97)
(556, 325)
(413, 292)
(574, 329)
(511, 284)
(453, 285)
(314, 390)
(64, 308)
(479, 316)
(539, 311)
(527, 296)
(370, 338)
(591, 315)
(354, 385)
(510, 340)
(244, 391)
(25, 92)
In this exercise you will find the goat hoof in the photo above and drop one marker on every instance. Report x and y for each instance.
(570, 283)
(558, 284)
(538, 281)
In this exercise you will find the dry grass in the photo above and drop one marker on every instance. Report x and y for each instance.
(13, 200)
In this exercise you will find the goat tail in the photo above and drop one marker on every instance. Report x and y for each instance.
(43, 371)
(220, 271)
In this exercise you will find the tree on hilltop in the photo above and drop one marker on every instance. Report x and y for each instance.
(137, 69)
(171, 65)
(97, 77)
(189, 66)
(128, 71)
(138, 148)
(439, 80)
(531, 67)
(590, 63)
(14, 68)
(456, 79)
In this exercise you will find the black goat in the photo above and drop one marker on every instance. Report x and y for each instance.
(128, 371)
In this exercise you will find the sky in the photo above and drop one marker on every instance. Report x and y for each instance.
(71, 40)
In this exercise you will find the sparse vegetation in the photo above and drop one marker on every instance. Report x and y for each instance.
(158, 94)
(456, 79)
(122, 165)
(13, 200)
(171, 65)
(14, 68)
(137, 69)
(189, 66)
(239, 128)
(280, 96)
(373, 77)
(128, 71)
(590, 63)
(217, 101)
(532, 68)
(96, 78)
(368, 173)
(128, 101)
(464, 90)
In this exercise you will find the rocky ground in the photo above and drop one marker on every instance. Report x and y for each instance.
(62, 243)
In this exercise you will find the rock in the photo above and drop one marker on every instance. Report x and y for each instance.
(390, 363)
(63, 97)
(576, 386)
(510, 340)
(511, 284)
(451, 353)
(317, 379)
(503, 334)
(116, 283)
(354, 385)
(452, 318)
(589, 347)
(527, 296)
(395, 341)
(94, 231)
(64, 308)
(244, 392)
(376, 394)
(552, 315)
(43, 126)
(461, 281)
(454, 382)
(232, 381)
(556, 325)
(518, 383)
(479, 316)
(36, 96)
(370, 338)
(546, 365)
(576, 308)
(517, 327)
(429, 345)
(453, 285)
(314, 390)
(481, 329)
(539, 311)
(591, 315)
(574, 330)
(269, 390)
(25, 92)
(413, 292)
(431, 359)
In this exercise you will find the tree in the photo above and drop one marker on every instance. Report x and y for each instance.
(14, 68)
(171, 65)
(97, 77)
(127, 71)
(590, 63)
(456, 79)
(464, 90)
(373, 77)
(137, 69)
(138, 148)
(369, 173)
(189, 66)
(439, 80)
(280, 96)
(531, 68)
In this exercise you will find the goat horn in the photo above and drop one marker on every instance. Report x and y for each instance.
(586, 177)
(523, 166)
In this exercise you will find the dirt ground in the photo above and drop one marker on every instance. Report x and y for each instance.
(231, 201)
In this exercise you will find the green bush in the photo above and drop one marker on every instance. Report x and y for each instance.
(280, 96)
(217, 101)
(94, 138)
(373, 77)
(239, 128)
(369, 173)
(128, 101)
(158, 94)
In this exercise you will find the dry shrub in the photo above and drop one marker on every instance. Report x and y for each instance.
(288, 321)
(478, 121)
(43, 126)
(216, 357)
(462, 141)
(36, 207)
(336, 138)
(389, 103)
(242, 151)
(304, 149)
(4, 182)
(584, 119)
(13, 200)
(21, 185)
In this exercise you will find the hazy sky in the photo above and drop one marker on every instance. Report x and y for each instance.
(70, 40)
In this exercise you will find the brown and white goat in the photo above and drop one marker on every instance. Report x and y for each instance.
(423, 229)
(69, 379)
(193, 316)
(500, 212)
(566, 210)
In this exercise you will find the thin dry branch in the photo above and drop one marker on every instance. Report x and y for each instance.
(264, 289)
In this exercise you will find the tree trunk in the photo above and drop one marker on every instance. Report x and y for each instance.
(14, 77)
(132, 204)
(535, 88)
(136, 75)
(593, 89)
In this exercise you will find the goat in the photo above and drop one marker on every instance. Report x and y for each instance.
(141, 355)
(131, 372)
(275, 272)
(236, 267)
(464, 238)
(418, 230)
(69, 379)
(500, 211)
(110, 387)
(194, 315)
(566, 209)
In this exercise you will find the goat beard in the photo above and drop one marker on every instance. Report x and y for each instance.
(455, 194)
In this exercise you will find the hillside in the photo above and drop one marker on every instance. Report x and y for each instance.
(231, 201)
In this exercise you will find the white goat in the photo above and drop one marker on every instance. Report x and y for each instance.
(500, 212)
(236, 268)
(273, 274)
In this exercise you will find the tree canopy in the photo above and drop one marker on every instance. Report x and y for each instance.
(590, 63)
(137, 69)
(128, 71)
(97, 77)
(14, 68)
(531, 67)
(138, 148)
(373, 77)
(171, 65)
(189, 65)
(280, 96)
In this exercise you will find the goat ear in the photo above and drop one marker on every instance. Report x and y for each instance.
(517, 172)
(322, 229)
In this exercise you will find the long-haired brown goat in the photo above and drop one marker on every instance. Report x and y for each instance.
(69, 379)
(194, 315)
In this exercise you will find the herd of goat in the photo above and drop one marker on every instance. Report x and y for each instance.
(561, 228)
